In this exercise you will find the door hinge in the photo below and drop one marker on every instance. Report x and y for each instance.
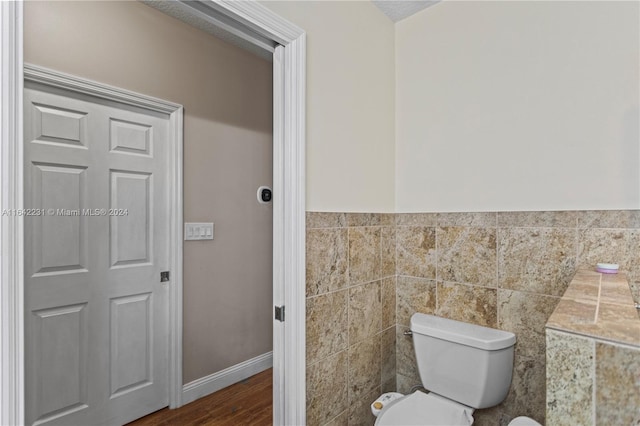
(279, 313)
(164, 276)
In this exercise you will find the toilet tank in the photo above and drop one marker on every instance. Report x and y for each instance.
(464, 362)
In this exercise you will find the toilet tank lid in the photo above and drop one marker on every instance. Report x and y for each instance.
(461, 332)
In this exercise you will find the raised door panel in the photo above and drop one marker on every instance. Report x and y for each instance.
(130, 229)
(59, 233)
(57, 125)
(59, 337)
(131, 343)
(130, 138)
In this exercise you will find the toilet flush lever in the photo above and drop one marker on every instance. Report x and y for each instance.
(637, 305)
(408, 333)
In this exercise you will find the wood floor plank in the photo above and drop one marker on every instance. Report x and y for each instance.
(249, 402)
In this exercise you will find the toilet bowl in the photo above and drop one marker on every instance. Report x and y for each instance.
(464, 366)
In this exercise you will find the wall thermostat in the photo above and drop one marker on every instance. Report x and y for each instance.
(264, 195)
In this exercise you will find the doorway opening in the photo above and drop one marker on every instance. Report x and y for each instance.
(248, 18)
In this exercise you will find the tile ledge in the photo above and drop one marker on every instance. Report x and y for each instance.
(617, 326)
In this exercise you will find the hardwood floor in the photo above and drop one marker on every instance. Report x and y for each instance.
(246, 403)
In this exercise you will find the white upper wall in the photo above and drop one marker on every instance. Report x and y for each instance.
(516, 106)
(350, 104)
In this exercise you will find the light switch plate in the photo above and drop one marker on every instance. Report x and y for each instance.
(198, 231)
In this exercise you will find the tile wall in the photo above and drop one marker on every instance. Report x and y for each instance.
(596, 382)
(351, 318)
(593, 354)
(505, 270)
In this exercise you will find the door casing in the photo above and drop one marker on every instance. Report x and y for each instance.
(248, 17)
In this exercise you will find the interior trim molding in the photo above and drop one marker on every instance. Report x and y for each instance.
(220, 380)
(52, 78)
(11, 229)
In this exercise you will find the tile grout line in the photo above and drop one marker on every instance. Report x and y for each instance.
(497, 275)
(379, 314)
(395, 305)
(595, 318)
(348, 278)
(437, 228)
(594, 383)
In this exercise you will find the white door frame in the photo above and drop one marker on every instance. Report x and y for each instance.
(289, 206)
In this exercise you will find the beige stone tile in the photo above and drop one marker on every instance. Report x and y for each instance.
(414, 295)
(417, 219)
(360, 409)
(539, 260)
(609, 219)
(326, 326)
(364, 254)
(557, 219)
(388, 293)
(405, 356)
(405, 384)
(635, 292)
(612, 322)
(468, 303)
(416, 251)
(633, 267)
(618, 323)
(525, 314)
(326, 260)
(572, 312)
(388, 251)
(364, 367)
(368, 219)
(388, 353)
(581, 289)
(365, 309)
(614, 288)
(341, 420)
(491, 417)
(389, 386)
(569, 379)
(603, 246)
(387, 219)
(326, 389)
(527, 393)
(325, 220)
(617, 385)
(467, 255)
(481, 219)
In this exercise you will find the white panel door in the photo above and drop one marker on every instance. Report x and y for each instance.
(96, 241)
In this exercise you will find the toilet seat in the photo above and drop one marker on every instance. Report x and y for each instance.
(425, 410)
(523, 421)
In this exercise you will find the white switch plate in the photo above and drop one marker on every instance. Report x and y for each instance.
(198, 231)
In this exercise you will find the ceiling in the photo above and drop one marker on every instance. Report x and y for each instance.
(397, 10)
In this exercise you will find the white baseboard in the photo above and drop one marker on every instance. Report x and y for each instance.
(234, 374)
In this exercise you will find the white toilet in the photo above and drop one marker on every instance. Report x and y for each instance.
(464, 366)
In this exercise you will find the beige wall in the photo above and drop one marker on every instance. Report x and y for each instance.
(492, 106)
(350, 103)
(227, 96)
(518, 106)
